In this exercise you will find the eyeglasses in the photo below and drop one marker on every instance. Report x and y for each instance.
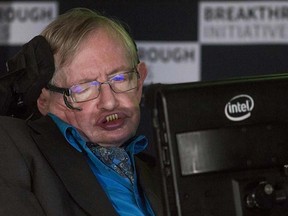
(120, 82)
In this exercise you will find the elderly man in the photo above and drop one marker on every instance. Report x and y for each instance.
(79, 158)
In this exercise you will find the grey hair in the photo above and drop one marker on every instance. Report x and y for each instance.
(68, 30)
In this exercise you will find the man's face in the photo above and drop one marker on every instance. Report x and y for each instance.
(98, 57)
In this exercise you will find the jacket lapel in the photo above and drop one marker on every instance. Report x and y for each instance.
(71, 167)
(149, 185)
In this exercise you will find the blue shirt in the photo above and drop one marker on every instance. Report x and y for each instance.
(124, 196)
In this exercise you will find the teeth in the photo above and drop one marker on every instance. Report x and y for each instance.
(112, 117)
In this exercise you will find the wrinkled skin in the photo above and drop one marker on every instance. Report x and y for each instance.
(98, 56)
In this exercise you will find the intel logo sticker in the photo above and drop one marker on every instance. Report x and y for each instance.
(239, 107)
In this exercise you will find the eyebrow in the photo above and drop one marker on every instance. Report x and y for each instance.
(119, 72)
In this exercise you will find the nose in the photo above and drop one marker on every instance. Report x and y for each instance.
(107, 98)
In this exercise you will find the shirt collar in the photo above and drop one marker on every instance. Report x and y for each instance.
(70, 133)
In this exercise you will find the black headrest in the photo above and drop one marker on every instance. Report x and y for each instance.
(27, 73)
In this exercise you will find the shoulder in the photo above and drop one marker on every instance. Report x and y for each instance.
(6, 119)
(9, 123)
(18, 144)
(14, 132)
(20, 131)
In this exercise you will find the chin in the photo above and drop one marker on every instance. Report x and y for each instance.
(112, 141)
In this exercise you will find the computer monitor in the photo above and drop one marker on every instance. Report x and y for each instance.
(222, 146)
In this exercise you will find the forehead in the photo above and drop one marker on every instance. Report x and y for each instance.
(99, 55)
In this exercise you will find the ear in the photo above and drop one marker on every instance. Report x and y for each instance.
(142, 70)
(43, 102)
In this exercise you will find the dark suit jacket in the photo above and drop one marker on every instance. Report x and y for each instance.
(41, 174)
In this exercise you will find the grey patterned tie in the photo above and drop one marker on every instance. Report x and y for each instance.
(114, 157)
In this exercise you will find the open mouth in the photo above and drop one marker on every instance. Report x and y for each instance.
(112, 117)
(113, 121)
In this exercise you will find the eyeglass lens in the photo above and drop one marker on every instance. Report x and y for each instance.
(119, 83)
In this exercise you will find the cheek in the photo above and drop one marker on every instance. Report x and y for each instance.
(132, 101)
(86, 115)
(82, 120)
(78, 117)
